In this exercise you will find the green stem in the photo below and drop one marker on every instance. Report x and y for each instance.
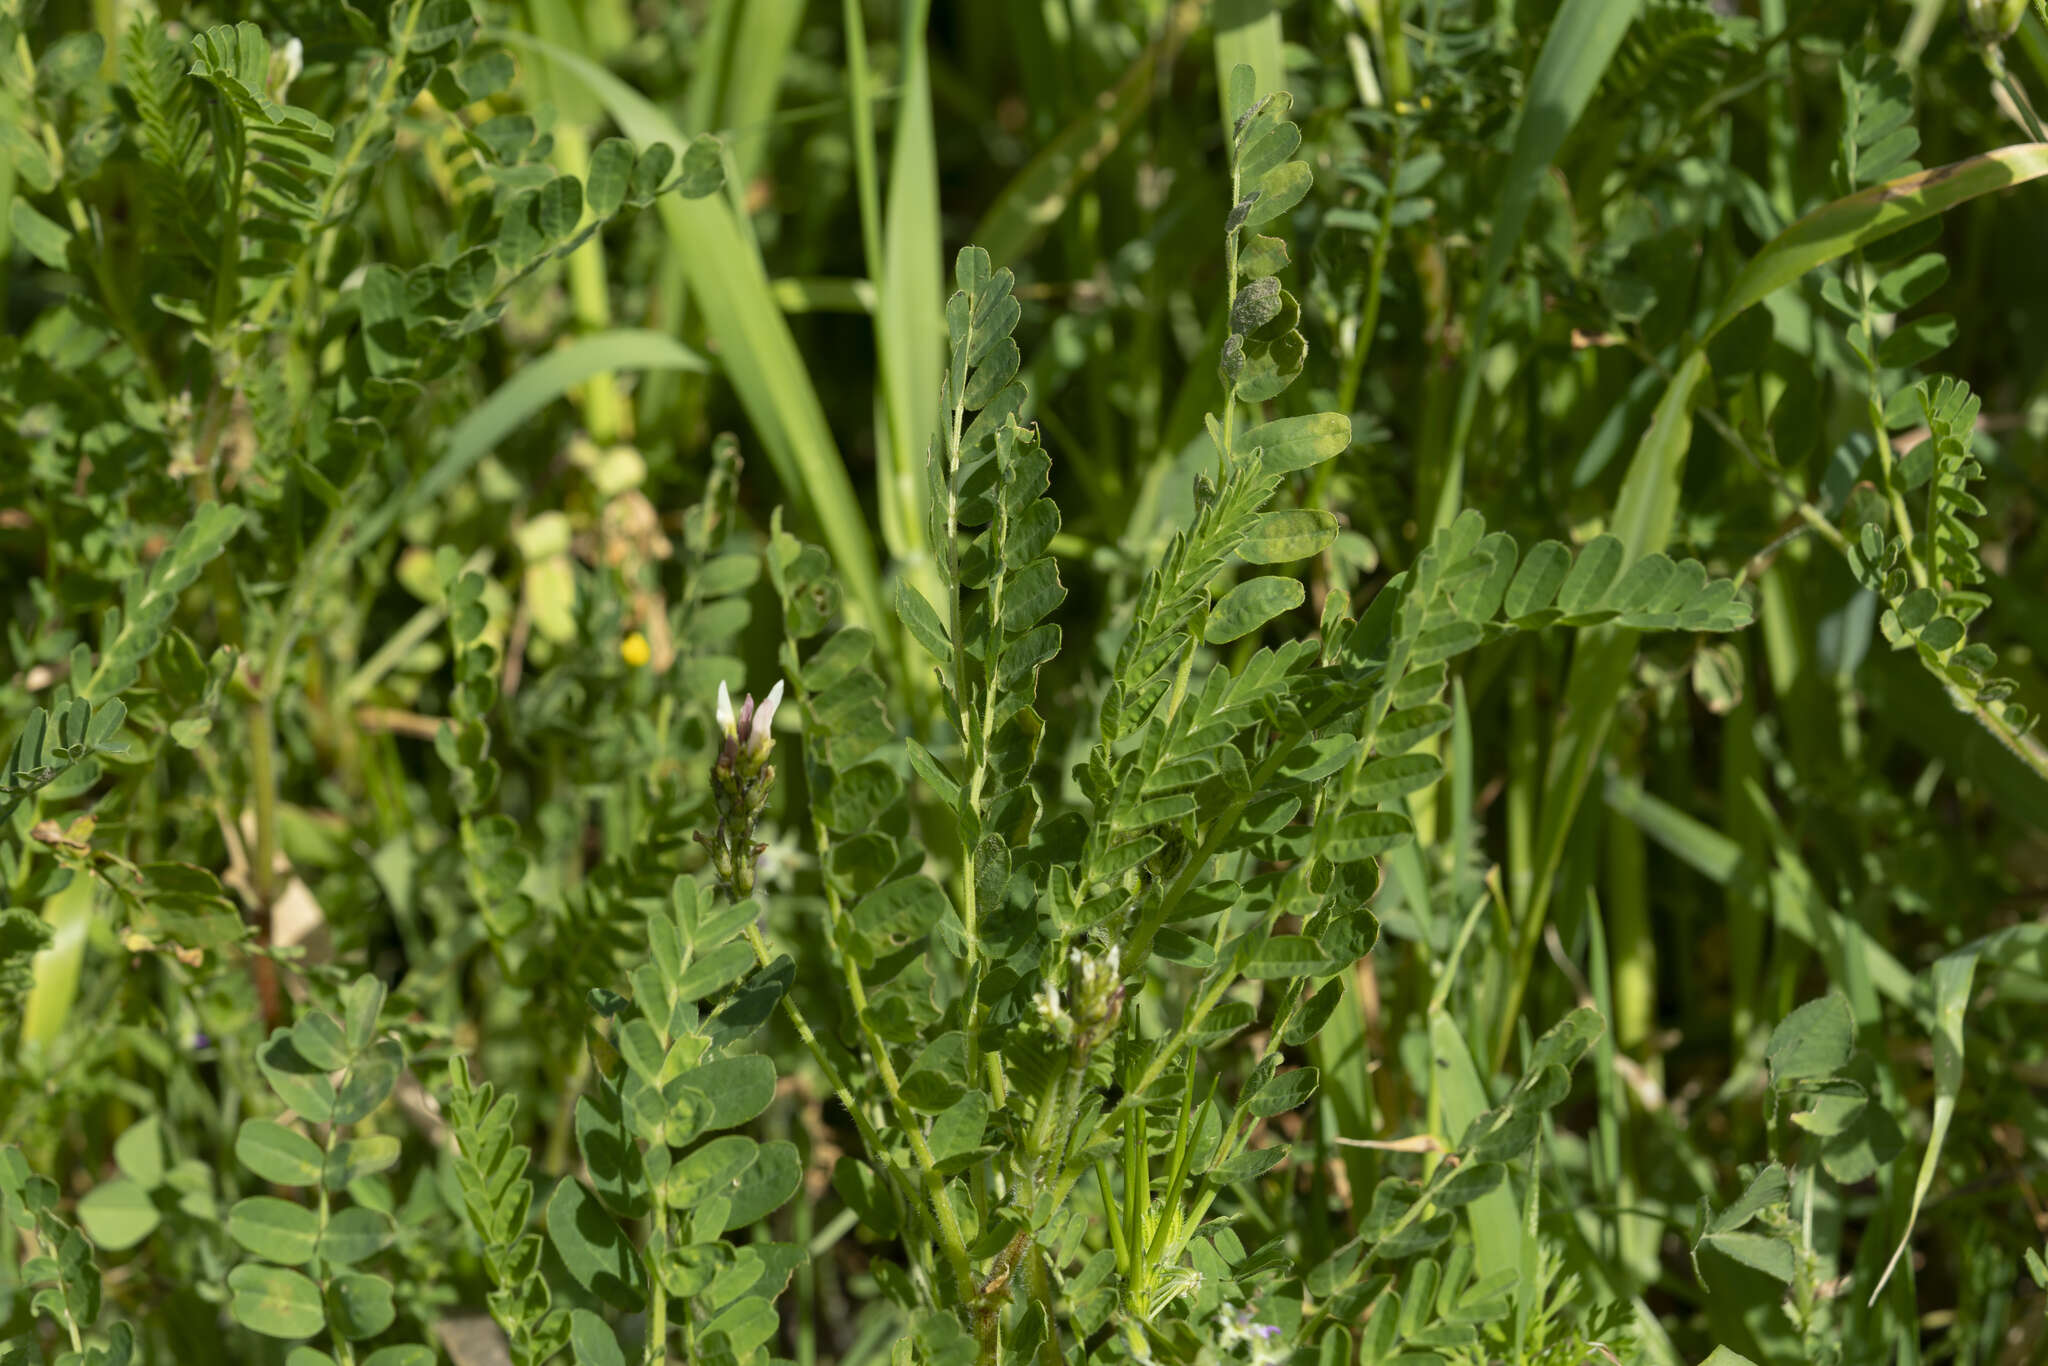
(561, 1132)
(63, 1303)
(344, 1354)
(868, 1133)
(263, 791)
(1369, 321)
(372, 125)
(657, 1313)
(2018, 95)
(606, 413)
(1385, 21)
(947, 1230)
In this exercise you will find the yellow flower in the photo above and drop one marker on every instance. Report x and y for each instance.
(633, 649)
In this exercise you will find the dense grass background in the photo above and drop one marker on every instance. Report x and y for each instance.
(1494, 294)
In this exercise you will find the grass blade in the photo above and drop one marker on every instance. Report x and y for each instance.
(1248, 31)
(517, 400)
(1599, 671)
(1037, 195)
(1794, 901)
(56, 967)
(762, 41)
(1952, 977)
(910, 338)
(759, 355)
(1836, 229)
(1575, 54)
(1459, 1096)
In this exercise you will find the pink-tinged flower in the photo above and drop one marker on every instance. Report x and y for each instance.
(750, 729)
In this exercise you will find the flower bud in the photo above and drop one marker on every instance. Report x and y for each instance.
(759, 740)
(727, 724)
(1994, 21)
(741, 778)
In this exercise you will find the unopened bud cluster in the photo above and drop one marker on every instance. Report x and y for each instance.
(741, 777)
(1094, 999)
(1994, 21)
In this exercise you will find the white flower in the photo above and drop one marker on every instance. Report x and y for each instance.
(759, 737)
(726, 721)
(286, 65)
(1050, 1009)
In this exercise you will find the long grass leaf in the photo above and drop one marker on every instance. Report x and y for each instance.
(1248, 32)
(761, 44)
(1460, 1097)
(519, 398)
(54, 969)
(1581, 42)
(713, 49)
(909, 317)
(1037, 195)
(1793, 897)
(1599, 671)
(1834, 230)
(757, 352)
(1952, 976)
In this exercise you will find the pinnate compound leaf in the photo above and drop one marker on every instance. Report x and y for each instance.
(275, 1229)
(1757, 1251)
(703, 172)
(1815, 1040)
(766, 1186)
(709, 1169)
(592, 1340)
(360, 1305)
(1393, 776)
(318, 1038)
(1250, 605)
(1770, 1186)
(737, 1088)
(1297, 443)
(1282, 1093)
(1586, 585)
(401, 1354)
(118, 1214)
(1537, 581)
(596, 1251)
(139, 1152)
(299, 1083)
(369, 1081)
(356, 1234)
(921, 619)
(1470, 1182)
(1248, 1165)
(279, 1155)
(1367, 834)
(1293, 534)
(275, 1302)
(1290, 955)
(353, 1159)
(611, 176)
(360, 1006)
(1567, 1041)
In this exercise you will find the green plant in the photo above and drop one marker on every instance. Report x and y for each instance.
(596, 785)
